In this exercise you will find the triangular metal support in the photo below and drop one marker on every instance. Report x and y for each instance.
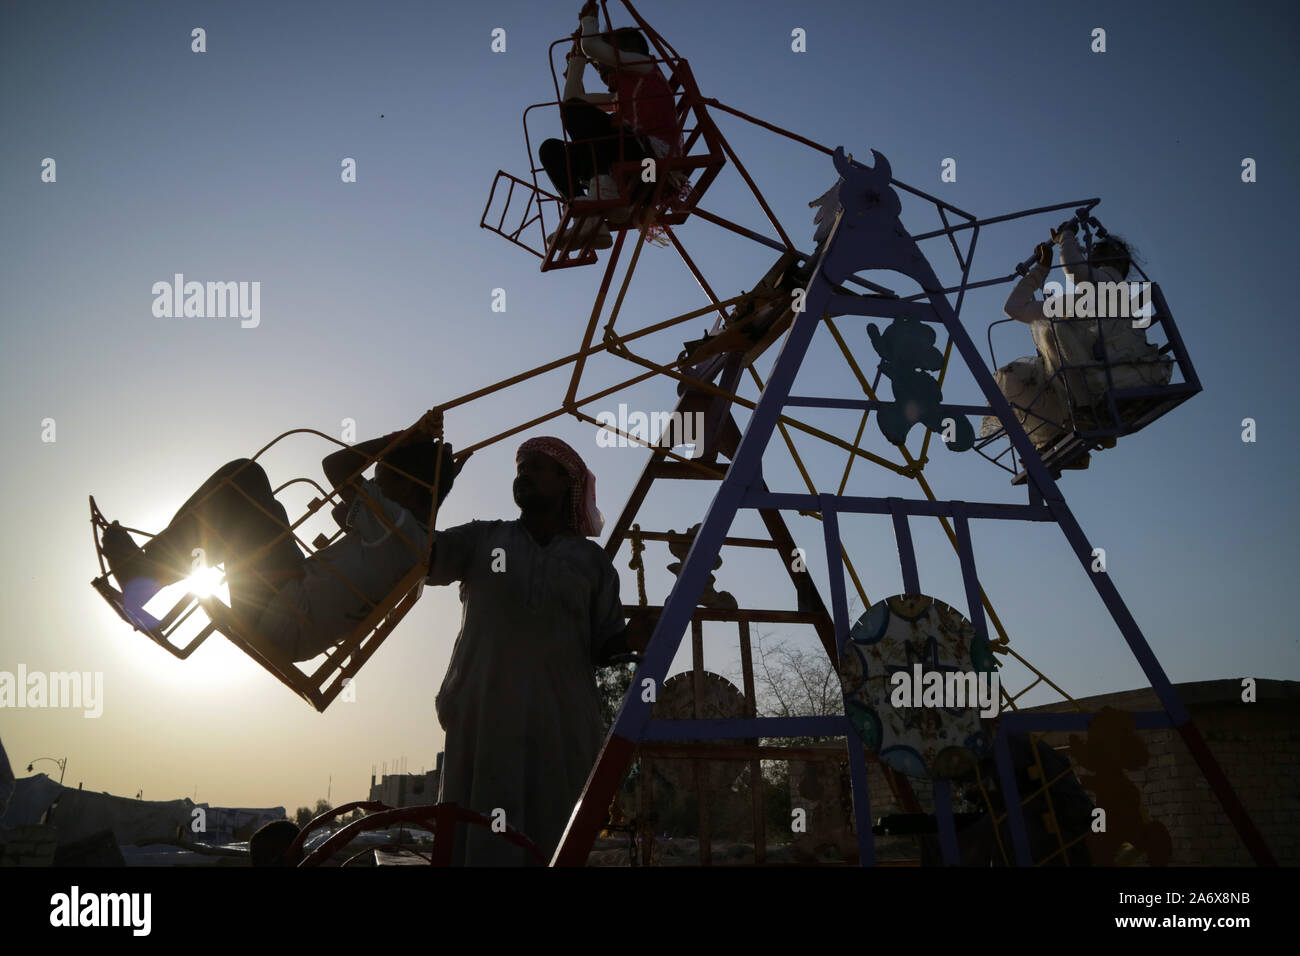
(867, 234)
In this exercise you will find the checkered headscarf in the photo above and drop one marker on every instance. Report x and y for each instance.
(583, 514)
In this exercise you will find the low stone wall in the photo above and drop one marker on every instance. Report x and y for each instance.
(1257, 745)
(29, 845)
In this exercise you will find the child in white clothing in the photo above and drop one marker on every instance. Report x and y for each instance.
(1076, 349)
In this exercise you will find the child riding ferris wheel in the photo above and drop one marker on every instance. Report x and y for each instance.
(633, 124)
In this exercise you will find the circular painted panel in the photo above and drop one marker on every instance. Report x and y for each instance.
(722, 700)
(915, 680)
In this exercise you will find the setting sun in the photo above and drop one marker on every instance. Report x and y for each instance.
(204, 582)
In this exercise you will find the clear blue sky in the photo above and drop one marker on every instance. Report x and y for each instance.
(376, 304)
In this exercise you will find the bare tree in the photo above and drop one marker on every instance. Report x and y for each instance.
(795, 682)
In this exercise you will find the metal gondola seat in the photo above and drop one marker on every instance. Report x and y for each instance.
(1095, 393)
(701, 153)
(1128, 395)
(681, 179)
(320, 686)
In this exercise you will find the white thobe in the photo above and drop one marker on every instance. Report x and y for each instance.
(519, 703)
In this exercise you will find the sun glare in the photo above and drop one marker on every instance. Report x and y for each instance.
(217, 664)
(203, 582)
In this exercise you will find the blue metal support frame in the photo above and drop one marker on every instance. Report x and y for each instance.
(906, 553)
(947, 826)
(867, 234)
(1011, 799)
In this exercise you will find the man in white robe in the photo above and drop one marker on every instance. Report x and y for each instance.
(519, 702)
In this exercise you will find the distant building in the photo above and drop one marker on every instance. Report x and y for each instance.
(79, 814)
(407, 789)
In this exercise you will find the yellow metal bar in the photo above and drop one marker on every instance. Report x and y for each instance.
(709, 387)
(597, 307)
(559, 411)
(812, 488)
(915, 469)
(587, 350)
(703, 469)
(622, 292)
(943, 370)
(1047, 792)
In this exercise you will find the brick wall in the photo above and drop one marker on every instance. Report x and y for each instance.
(1257, 745)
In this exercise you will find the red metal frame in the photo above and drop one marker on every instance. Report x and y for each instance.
(565, 253)
(440, 819)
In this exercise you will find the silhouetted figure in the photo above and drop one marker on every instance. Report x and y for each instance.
(300, 605)
(268, 845)
(541, 611)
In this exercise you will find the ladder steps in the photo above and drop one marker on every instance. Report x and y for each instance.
(732, 542)
(678, 471)
(665, 749)
(752, 615)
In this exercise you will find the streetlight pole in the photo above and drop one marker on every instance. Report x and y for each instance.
(62, 764)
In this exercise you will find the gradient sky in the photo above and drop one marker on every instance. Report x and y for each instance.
(376, 305)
